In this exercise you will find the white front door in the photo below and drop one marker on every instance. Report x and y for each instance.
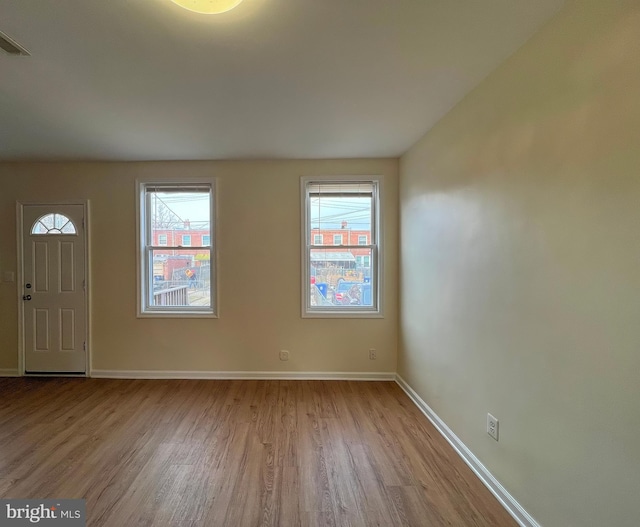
(54, 298)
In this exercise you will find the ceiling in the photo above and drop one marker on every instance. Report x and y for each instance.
(147, 80)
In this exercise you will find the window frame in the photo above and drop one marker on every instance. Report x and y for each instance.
(336, 237)
(375, 244)
(166, 240)
(183, 243)
(360, 239)
(144, 264)
(315, 238)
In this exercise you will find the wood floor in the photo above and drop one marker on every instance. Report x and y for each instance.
(235, 453)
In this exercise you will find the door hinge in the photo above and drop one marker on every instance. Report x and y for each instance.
(84, 346)
(84, 285)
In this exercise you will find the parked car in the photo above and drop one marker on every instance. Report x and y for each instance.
(352, 294)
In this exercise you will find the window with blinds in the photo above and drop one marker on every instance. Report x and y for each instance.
(341, 277)
(177, 248)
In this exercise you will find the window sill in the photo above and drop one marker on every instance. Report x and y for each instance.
(342, 314)
(177, 314)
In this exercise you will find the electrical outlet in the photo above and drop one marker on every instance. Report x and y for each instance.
(492, 426)
(373, 354)
(284, 355)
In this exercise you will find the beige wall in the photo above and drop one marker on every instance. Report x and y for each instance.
(520, 268)
(259, 274)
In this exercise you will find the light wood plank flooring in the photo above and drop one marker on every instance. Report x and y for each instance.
(235, 453)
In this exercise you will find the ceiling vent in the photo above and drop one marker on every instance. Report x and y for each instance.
(11, 46)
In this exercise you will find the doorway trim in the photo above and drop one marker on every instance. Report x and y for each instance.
(20, 281)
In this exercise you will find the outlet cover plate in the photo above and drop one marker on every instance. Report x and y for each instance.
(493, 426)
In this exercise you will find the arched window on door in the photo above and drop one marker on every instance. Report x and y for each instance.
(53, 223)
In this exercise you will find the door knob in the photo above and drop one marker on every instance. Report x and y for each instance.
(26, 297)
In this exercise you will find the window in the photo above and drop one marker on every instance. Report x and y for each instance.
(342, 280)
(176, 278)
(317, 239)
(53, 224)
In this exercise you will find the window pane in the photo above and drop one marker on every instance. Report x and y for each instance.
(341, 278)
(344, 218)
(59, 221)
(181, 278)
(181, 217)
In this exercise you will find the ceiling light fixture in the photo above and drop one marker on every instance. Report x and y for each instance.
(208, 7)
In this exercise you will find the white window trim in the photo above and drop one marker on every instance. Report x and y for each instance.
(315, 236)
(341, 236)
(141, 274)
(360, 236)
(206, 244)
(377, 255)
(182, 240)
(166, 240)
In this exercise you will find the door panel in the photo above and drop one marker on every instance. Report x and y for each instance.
(41, 266)
(41, 329)
(67, 268)
(54, 313)
(67, 330)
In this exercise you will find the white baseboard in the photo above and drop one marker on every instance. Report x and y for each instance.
(245, 375)
(516, 510)
(9, 372)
